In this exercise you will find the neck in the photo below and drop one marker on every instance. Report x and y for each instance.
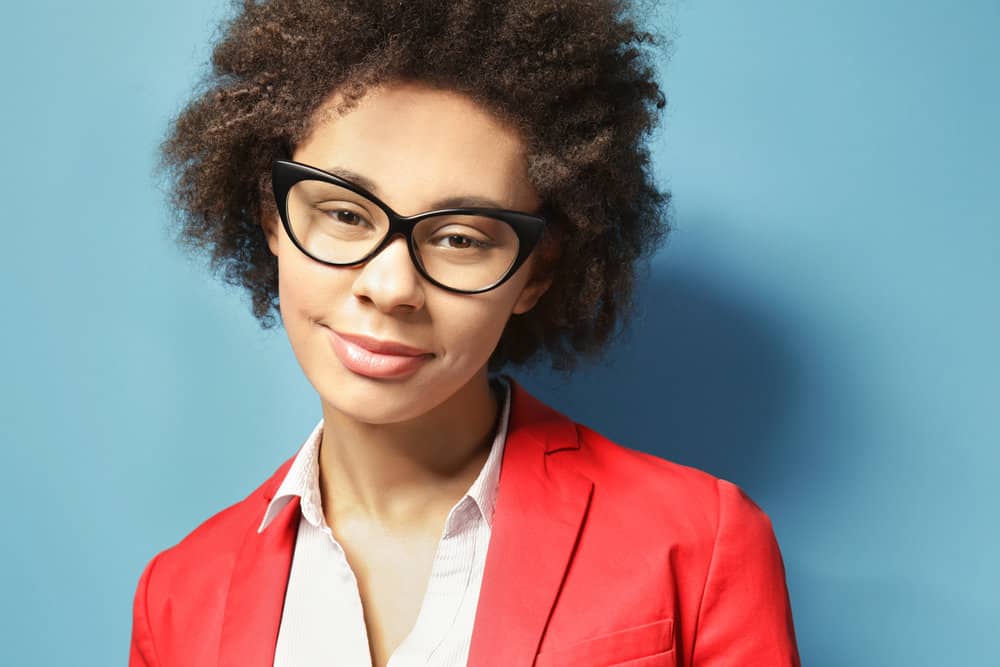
(405, 473)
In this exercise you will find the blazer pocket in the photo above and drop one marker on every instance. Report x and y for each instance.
(647, 645)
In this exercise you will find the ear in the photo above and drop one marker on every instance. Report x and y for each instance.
(271, 225)
(530, 295)
(542, 265)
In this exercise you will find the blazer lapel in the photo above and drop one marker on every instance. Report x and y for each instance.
(257, 588)
(540, 508)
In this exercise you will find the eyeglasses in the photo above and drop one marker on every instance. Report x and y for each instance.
(336, 222)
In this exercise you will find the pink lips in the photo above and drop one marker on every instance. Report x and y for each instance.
(375, 358)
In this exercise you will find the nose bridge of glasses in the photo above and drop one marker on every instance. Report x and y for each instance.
(401, 224)
(389, 222)
(398, 243)
(396, 220)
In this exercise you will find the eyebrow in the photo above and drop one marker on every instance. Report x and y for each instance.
(457, 201)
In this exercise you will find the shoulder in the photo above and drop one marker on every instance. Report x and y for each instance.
(678, 542)
(210, 549)
(689, 502)
(182, 590)
(637, 495)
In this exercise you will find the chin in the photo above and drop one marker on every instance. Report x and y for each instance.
(379, 401)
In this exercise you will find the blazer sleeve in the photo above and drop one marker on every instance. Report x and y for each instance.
(745, 616)
(142, 653)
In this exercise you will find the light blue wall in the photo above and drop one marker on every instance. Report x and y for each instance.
(822, 327)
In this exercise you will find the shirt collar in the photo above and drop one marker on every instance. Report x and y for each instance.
(302, 478)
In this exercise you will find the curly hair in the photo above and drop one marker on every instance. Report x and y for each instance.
(574, 78)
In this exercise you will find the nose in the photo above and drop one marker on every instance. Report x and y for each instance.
(389, 281)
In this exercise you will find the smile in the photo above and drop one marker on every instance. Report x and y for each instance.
(372, 358)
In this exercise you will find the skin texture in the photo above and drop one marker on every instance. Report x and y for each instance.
(398, 453)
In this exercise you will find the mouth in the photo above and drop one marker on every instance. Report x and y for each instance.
(374, 358)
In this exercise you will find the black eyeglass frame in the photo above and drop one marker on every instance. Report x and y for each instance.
(528, 228)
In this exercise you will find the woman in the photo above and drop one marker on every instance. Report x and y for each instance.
(428, 192)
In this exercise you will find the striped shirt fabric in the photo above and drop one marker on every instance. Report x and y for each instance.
(323, 624)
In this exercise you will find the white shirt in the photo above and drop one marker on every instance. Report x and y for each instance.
(323, 621)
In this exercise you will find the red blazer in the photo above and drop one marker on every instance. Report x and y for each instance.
(599, 555)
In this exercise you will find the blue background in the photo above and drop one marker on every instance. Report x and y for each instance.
(822, 328)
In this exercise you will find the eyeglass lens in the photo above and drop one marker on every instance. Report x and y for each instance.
(465, 252)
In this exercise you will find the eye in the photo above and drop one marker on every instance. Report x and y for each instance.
(461, 242)
(346, 217)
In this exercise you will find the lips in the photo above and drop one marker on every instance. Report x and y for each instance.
(375, 358)
(381, 346)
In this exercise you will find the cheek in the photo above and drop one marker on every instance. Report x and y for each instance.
(305, 290)
(292, 292)
(469, 327)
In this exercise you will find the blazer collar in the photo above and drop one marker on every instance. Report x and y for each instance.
(540, 507)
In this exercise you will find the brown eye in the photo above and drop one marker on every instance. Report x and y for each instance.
(347, 218)
(459, 241)
(456, 241)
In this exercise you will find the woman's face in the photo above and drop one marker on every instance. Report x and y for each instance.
(416, 146)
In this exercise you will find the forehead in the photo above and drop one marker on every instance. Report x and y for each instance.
(418, 144)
